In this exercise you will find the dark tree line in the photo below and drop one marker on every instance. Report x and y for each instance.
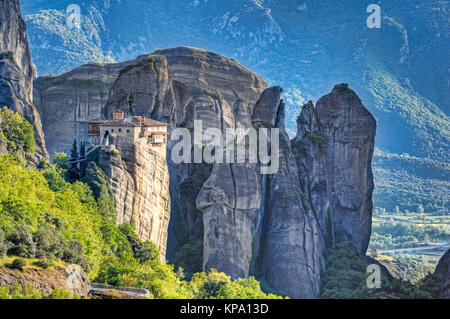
(77, 170)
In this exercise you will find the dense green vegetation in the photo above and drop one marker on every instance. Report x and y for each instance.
(29, 292)
(407, 182)
(391, 235)
(45, 216)
(346, 276)
(412, 268)
(16, 132)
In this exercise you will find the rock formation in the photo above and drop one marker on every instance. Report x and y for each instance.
(442, 273)
(179, 86)
(273, 226)
(70, 277)
(291, 245)
(68, 101)
(223, 95)
(139, 178)
(334, 147)
(229, 200)
(17, 72)
(145, 88)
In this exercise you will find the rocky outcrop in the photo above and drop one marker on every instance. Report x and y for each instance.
(229, 200)
(276, 226)
(179, 86)
(145, 88)
(17, 72)
(334, 147)
(68, 101)
(289, 255)
(442, 273)
(259, 223)
(223, 95)
(70, 277)
(208, 73)
(139, 178)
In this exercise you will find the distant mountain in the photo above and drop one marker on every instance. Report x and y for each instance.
(401, 71)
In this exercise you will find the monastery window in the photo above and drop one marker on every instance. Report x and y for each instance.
(120, 130)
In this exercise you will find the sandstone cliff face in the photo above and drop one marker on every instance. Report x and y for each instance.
(17, 72)
(68, 101)
(289, 255)
(214, 89)
(145, 88)
(223, 96)
(229, 200)
(334, 148)
(205, 72)
(273, 226)
(139, 178)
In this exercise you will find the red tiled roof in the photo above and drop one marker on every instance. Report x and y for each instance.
(136, 121)
(147, 122)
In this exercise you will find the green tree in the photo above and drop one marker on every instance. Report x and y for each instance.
(74, 172)
(190, 258)
(61, 160)
(74, 150)
(83, 165)
(17, 132)
(58, 293)
(22, 243)
(4, 245)
(345, 274)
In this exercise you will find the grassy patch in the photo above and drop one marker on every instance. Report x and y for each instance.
(34, 263)
(214, 94)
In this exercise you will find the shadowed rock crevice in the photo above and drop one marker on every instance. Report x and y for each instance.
(290, 252)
